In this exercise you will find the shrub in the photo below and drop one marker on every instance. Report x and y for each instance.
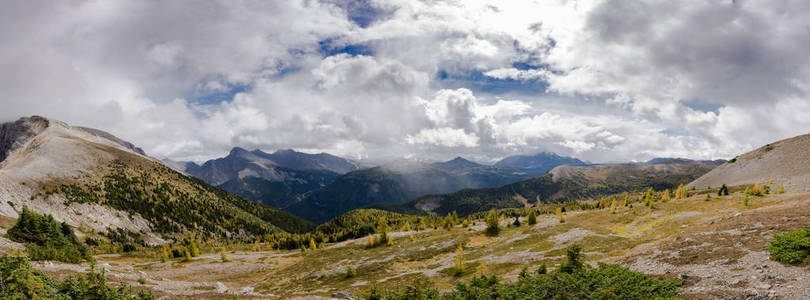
(350, 272)
(129, 247)
(542, 269)
(757, 189)
(780, 189)
(45, 239)
(223, 256)
(516, 223)
(791, 247)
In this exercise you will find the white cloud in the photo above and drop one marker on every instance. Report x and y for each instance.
(448, 137)
(623, 77)
(512, 73)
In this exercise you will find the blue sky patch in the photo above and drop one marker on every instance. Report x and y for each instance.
(480, 83)
(219, 96)
(329, 47)
(675, 132)
(703, 105)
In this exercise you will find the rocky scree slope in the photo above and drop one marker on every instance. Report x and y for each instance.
(787, 162)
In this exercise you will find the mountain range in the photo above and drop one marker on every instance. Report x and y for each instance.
(319, 187)
(563, 183)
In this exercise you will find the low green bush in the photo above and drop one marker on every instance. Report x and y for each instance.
(791, 247)
(573, 280)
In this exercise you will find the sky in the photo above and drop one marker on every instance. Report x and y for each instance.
(600, 80)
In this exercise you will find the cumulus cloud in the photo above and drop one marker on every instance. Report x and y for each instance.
(622, 80)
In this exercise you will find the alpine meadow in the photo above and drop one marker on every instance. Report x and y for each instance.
(405, 149)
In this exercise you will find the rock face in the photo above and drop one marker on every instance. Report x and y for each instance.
(15, 134)
(787, 162)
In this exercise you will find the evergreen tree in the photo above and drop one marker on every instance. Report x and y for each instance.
(723, 191)
(532, 217)
(492, 223)
(542, 269)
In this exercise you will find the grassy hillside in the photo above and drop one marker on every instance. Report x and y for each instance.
(175, 203)
(362, 222)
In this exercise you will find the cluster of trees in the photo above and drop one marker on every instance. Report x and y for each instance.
(573, 279)
(46, 239)
(18, 280)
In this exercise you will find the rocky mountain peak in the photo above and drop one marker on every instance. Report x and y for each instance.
(15, 134)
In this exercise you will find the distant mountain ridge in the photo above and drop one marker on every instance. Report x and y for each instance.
(560, 184)
(539, 163)
(456, 164)
(276, 179)
(397, 182)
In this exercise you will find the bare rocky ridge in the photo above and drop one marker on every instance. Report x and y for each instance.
(787, 162)
(37, 151)
(631, 171)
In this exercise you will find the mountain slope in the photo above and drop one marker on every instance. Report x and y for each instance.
(303, 161)
(72, 173)
(397, 182)
(561, 184)
(276, 179)
(537, 164)
(787, 162)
